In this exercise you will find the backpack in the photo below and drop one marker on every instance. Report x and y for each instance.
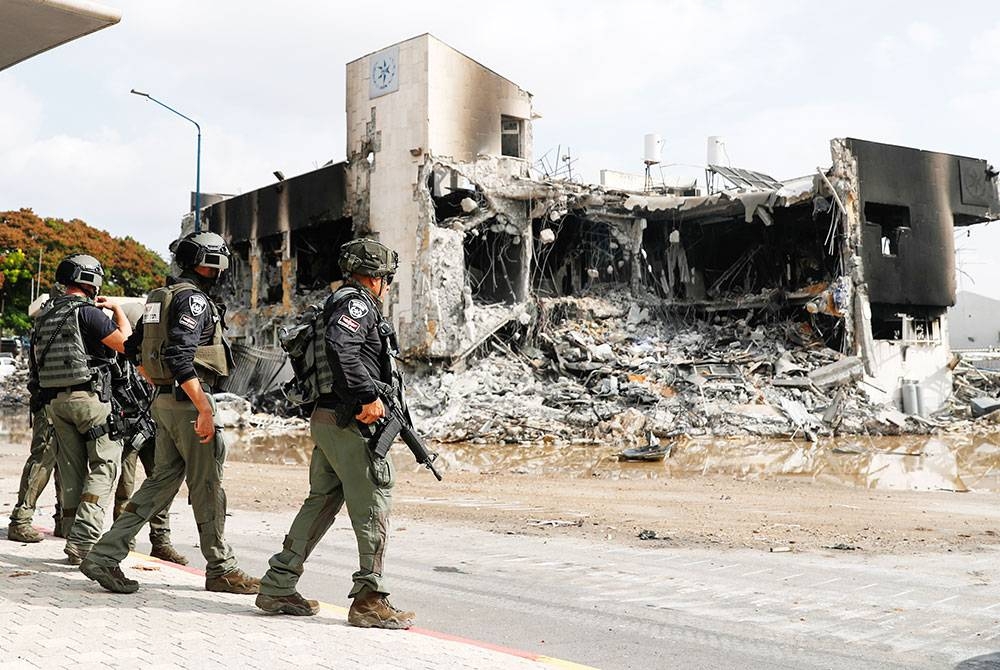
(305, 344)
(302, 342)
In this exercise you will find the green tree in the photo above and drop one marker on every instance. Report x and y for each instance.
(14, 270)
(130, 268)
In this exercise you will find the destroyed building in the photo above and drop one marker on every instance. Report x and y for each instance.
(858, 257)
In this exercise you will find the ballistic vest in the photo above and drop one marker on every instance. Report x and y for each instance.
(60, 354)
(210, 360)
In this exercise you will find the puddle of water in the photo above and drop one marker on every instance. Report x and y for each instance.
(946, 462)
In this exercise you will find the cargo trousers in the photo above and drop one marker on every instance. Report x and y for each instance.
(342, 470)
(159, 525)
(87, 468)
(38, 469)
(179, 457)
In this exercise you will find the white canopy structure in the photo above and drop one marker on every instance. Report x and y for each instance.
(29, 27)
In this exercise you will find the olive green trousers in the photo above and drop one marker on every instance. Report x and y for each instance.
(342, 470)
(179, 457)
(38, 469)
(159, 525)
(87, 468)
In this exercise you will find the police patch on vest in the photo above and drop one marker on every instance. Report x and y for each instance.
(152, 313)
(198, 304)
(348, 324)
(188, 321)
(357, 308)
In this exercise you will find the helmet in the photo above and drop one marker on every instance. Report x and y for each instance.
(204, 248)
(369, 258)
(82, 270)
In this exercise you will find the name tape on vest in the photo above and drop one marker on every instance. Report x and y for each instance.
(152, 313)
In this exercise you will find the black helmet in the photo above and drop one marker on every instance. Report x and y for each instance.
(204, 248)
(369, 258)
(81, 270)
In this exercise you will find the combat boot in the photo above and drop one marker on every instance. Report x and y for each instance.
(75, 554)
(293, 604)
(234, 581)
(111, 579)
(23, 532)
(166, 552)
(373, 610)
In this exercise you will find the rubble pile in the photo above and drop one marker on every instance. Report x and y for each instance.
(613, 369)
(14, 388)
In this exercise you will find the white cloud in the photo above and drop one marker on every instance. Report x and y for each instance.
(923, 35)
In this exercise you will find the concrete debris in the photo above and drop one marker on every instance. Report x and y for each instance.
(14, 388)
(844, 371)
(983, 406)
(587, 370)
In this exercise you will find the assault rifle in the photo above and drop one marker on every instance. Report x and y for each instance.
(397, 422)
(131, 396)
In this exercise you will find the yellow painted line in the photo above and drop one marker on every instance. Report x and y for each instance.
(560, 663)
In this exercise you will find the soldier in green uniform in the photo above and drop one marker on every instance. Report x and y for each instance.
(181, 350)
(38, 469)
(71, 347)
(142, 450)
(159, 524)
(356, 348)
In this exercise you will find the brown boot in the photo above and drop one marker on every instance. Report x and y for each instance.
(373, 610)
(75, 553)
(166, 552)
(293, 604)
(23, 532)
(234, 581)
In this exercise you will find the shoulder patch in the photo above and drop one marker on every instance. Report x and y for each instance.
(188, 321)
(152, 313)
(198, 304)
(348, 324)
(357, 308)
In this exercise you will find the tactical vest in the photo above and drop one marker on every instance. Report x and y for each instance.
(60, 354)
(210, 360)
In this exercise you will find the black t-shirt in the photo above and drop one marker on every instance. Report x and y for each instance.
(94, 327)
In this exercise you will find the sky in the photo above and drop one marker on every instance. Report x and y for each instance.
(265, 80)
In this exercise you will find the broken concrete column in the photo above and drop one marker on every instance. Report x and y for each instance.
(840, 372)
(847, 193)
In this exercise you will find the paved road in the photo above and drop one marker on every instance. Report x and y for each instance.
(610, 606)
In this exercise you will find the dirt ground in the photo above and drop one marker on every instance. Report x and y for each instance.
(672, 507)
(695, 511)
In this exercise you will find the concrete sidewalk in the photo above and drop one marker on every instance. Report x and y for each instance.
(54, 617)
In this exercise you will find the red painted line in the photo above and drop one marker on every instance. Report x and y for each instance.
(185, 568)
(476, 643)
(540, 658)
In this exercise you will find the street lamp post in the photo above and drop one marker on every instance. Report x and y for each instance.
(197, 187)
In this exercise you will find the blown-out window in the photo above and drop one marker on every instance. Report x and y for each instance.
(510, 136)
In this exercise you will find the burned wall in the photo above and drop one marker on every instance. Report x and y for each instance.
(310, 199)
(472, 110)
(911, 200)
